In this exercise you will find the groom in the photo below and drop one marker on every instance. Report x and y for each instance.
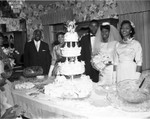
(86, 43)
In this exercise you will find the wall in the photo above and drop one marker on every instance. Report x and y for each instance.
(82, 10)
(127, 6)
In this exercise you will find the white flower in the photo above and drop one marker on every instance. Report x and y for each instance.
(22, 15)
(35, 13)
(92, 7)
(132, 24)
(78, 5)
(40, 7)
(12, 62)
(5, 50)
(100, 13)
(100, 61)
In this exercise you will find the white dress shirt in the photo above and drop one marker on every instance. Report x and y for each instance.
(37, 45)
(92, 42)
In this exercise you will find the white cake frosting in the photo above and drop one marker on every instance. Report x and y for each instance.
(71, 37)
(66, 88)
(71, 68)
(71, 52)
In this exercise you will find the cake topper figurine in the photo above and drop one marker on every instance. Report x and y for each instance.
(70, 25)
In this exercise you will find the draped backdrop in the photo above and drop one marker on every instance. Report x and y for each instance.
(139, 13)
(51, 24)
(48, 35)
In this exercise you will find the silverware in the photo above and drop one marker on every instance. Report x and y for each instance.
(141, 83)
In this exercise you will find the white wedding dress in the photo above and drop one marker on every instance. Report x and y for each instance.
(106, 77)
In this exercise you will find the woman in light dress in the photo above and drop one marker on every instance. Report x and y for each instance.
(106, 38)
(56, 54)
(128, 56)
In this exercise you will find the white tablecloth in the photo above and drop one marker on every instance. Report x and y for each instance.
(94, 107)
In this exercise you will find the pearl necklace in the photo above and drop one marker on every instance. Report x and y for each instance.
(128, 40)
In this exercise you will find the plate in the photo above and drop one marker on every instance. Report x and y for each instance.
(40, 77)
(104, 89)
(23, 86)
(73, 98)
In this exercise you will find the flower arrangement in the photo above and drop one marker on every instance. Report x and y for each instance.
(9, 53)
(7, 57)
(8, 60)
(100, 61)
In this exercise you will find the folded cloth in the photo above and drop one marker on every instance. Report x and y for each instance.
(14, 112)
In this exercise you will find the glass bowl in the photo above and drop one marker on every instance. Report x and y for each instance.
(129, 91)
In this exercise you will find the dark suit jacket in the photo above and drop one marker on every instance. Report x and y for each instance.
(86, 52)
(34, 58)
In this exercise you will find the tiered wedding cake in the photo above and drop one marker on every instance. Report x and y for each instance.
(71, 87)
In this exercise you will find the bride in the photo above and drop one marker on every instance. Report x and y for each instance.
(106, 38)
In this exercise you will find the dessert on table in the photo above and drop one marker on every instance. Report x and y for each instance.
(70, 82)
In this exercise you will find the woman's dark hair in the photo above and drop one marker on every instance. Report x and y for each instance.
(94, 21)
(56, 42)
(11, 36)
(132, 28)
(11, 45)
(1, 35)
(5, 42)
(105, 27)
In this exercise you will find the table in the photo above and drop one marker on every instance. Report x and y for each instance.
(99, 107)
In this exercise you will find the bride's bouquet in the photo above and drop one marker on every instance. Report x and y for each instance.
(100, 61)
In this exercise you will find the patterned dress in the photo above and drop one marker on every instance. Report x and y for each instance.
(128, 55)
(56, 57)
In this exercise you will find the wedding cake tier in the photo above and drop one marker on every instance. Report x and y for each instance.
(71, 51)
(71, 68)
(69, 89)
(71, 37)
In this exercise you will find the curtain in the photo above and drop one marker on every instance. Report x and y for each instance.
(56, 17)
(142, 29)
(48, 36)
(51, 37)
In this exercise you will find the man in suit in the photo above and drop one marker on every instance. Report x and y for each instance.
(86, 43)
(36, 52)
